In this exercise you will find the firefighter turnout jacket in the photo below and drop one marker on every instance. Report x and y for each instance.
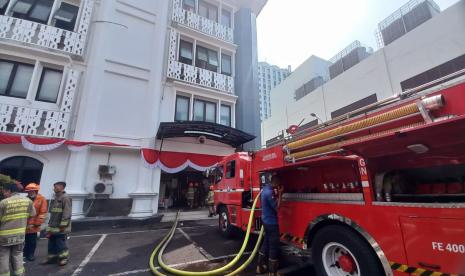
(34, 223)
(211, 198)
(14, 212)
(60, 214)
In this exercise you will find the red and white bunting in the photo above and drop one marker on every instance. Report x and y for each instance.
(174, 162)
(45, 146)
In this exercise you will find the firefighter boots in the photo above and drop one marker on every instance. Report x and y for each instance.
(50, 260)
(274, 265)
(63, 262)
(261, 264)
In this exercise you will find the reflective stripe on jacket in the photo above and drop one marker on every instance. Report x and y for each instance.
(211, 198)
(33, 223)
(14, 212)
(60, 214)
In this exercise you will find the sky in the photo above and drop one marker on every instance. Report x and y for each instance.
(290, 31)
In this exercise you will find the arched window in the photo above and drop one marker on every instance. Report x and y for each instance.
(22, 168)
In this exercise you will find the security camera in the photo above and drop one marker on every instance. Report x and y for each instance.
(202, 139)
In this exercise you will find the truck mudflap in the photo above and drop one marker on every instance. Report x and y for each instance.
(435, 243)
(418, 271)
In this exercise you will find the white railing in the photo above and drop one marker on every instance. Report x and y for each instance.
(191, 74)
(38, 121)
(200, 23)
(46, 36)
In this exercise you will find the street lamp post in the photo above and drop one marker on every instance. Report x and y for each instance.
(315, 116)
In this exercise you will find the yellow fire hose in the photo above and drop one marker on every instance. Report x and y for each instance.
(164, 243)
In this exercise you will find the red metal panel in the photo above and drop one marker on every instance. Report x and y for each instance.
(435, 243)
(268, 159)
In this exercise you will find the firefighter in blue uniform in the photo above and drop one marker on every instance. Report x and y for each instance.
(268, 258)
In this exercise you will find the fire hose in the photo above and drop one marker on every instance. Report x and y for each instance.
(159, 249)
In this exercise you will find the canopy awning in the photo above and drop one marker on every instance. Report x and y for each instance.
(220, 133)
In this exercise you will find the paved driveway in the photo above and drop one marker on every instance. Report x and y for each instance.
(195, 246)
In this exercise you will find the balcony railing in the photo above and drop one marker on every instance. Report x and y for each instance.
(47, 36)
(191, 74)
(37, 121)
(200, 23)
(195, 75)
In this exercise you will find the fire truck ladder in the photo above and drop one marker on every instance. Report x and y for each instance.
(304, 146)
(310, 146)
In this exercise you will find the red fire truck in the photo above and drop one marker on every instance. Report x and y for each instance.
(379, 191)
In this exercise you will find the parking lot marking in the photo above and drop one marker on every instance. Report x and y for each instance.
(89, 256)
(179, 264)
(201, 250)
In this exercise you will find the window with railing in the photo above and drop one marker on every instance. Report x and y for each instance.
(33, 10)
(226, 18)
(204, 111)
(182, 108)
(15, 78)
(49, 85)
(208, 10)
(225, 118)
(194, 62)
(206, 59)
(19, 79)
(226, 65)
(185, 52)
(3, 6)
(65, 17)
(188, 5)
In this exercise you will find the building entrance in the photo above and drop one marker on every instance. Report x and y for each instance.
(22, 168)
(175, 191)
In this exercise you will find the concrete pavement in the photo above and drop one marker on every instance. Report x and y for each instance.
(196, 245)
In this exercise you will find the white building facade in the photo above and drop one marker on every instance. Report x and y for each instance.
(269, 76)
(427, 52)
(85, 85)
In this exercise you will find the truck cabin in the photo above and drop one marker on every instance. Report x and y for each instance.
(232, 173)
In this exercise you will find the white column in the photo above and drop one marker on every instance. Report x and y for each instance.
(156, 178)
(191, 108)
(218, 113)
(233, 115)
(145, 196)
(75, 180)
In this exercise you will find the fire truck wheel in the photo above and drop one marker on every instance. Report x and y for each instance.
(338, 251)
(224, 225)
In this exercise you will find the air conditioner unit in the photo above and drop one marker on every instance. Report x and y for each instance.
(106, 170)
(103, 188)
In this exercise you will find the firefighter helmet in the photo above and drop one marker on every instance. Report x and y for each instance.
(32, 187)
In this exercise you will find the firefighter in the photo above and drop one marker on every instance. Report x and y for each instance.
(196, 195)
(269, 252)
(59, 226)
(211, 202)
(14, 212)
(34, 223)
(190, 195)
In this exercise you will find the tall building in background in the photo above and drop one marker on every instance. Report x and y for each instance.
(429, 46)
(269, 76)
(126, 101)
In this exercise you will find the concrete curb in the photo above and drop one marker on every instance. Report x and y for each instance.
(113, 222)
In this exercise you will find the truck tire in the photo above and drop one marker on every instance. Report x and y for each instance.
(224, 225)
(338, 251)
